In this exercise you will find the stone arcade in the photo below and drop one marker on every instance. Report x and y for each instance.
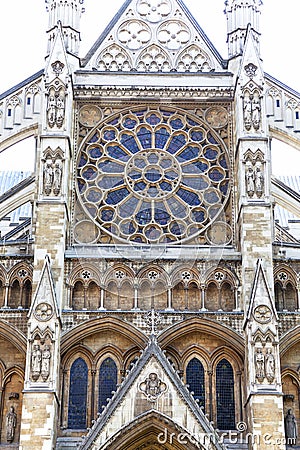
(149, 299)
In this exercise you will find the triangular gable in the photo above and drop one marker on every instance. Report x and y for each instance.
(144, 38)
(152, 385)
(261, 296)
(44, 305)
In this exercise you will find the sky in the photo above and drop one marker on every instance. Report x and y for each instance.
(23, 39)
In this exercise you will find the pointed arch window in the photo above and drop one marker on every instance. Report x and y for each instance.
(225, 396)
(108, 376)
(78, 395)
(195, 380)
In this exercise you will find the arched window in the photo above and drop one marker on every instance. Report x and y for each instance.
(225, 396)
(108, 377)
(78, 395)
(14, 300)
(78, 296)
(195, 380)
(26, 294)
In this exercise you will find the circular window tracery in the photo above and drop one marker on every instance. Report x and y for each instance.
(153, 176)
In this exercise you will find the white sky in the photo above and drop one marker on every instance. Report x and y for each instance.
(23, 39)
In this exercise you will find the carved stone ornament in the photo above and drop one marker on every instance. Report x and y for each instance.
(153, 387)
(250, 70)
(89, 115)
(45, 367)
(220, 233)
(259, 361)
(57, 67)
(11, 423)
(217, 117)
(43, 312)
(36, 362)
(56, 107)
(254, 181)
(52, 176)
(262, 314)
(252, 110)
(154, 10)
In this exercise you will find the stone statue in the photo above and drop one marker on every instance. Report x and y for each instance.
(290, 426)
(46, 356)
(247, 106)
(259, 365)
(270, 365)
(36, 360)
(259, 182)
(57, 176)
(250, 182)
(51, 111)
(256, 112)
(153, 387)
(60, 111)
(48, 177)
(11, 423)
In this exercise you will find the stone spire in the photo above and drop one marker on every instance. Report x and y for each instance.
(241, 14)
(68, 14)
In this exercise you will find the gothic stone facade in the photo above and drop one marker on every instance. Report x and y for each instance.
(150, 301)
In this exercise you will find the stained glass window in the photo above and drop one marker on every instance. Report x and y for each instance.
(78, 395)
(154, 166)
(225, 396)
(195, 380)
(108, 376)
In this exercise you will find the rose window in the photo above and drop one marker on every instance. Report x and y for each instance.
(153, 176)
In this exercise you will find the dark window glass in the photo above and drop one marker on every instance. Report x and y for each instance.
(107, 381)
(77, 395)
(225, 396)
(195, 380)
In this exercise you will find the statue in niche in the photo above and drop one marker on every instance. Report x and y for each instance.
(46, 356)
(153, 387)
(51, 110)
(256, 112)
(270, 365)
(247, 106)
(259, 365)
(250, 187)
(57, 176)
(60, 111)
(11, 423)
(36, 361)
(48, 177)
(259, 182)
(290, 426)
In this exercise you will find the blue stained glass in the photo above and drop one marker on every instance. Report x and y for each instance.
(83, 161)
(114, 121)
(140, 186)
(198, 216)
(145, 137)
(90, 173)
(177, 208)
(196, 183)
(128, 228)
(161, 137)
(165, 186)
(197, 136)
(108, 378)
(152, 175)
(78, 395)
(128, 207)
(144, 216)
(191, 122)
(176, 143)
(128, 141)
(153, 158)
(108, 182)
(109, 135)
(171, 175)
(216, 175)
(161, 216)
(110, 166)
(211, 139)
(195, 380)
(223, 162)
(114, 197)
(129, 123)
(211, 197)
(134, 174)
(116, 152)
(95, 152)
(152, 192)
(94, 138)
(153, 119)
(176, 124)
(166, 163)
(189, 197)
(94, 196)
(224, 187)
(177, 229)
(189, 153)
(107, 215)
(92, 210)
(225, 396)
(210, 153)
(81, 186)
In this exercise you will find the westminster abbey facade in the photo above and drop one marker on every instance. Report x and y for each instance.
(149, 293)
